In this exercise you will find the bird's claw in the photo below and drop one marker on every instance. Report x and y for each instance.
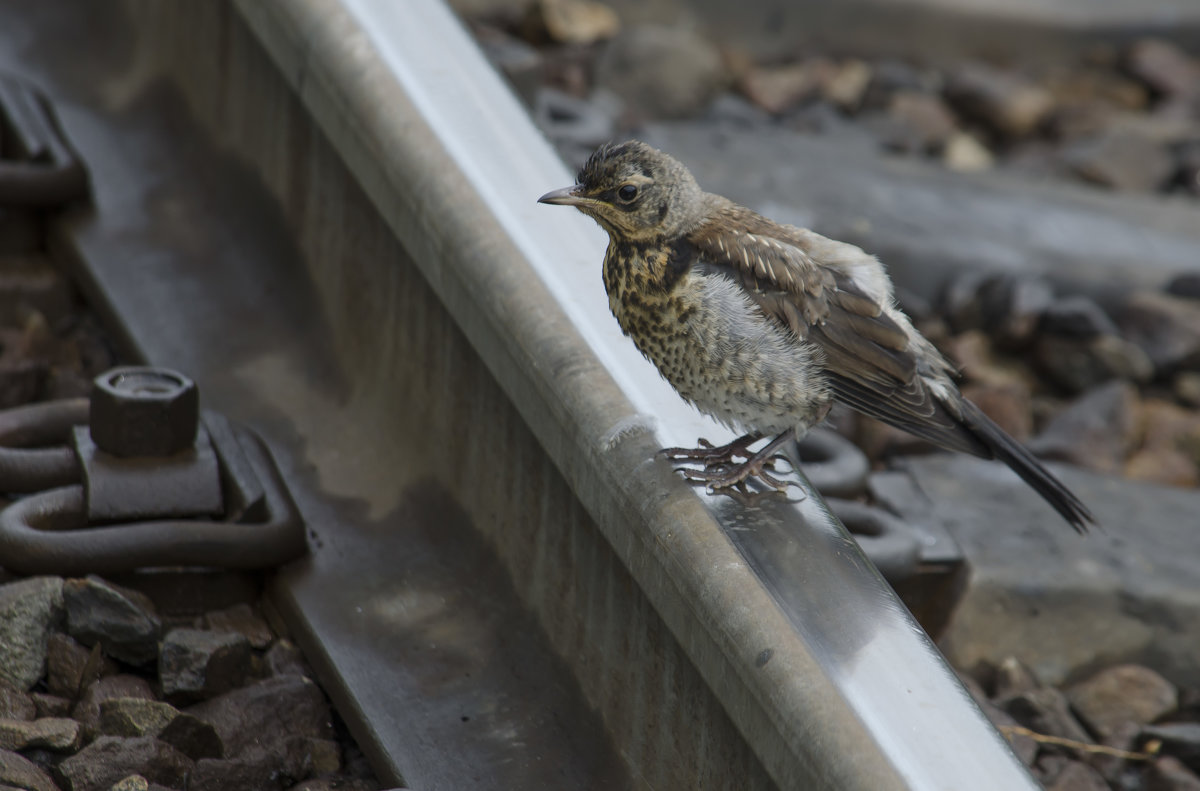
(735, 476)
(713, 455)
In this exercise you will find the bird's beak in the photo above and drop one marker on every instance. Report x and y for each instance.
(567, 196)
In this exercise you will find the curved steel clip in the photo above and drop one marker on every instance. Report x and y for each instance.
(48, 532)
(38, 167)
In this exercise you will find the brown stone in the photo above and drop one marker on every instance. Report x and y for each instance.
(70, 666)
(1046, 711)
(1001, 100)
(1169, 774)
(53, 733)
(1077, 776)
(1008, 405)
(1124, 693)
(15, 703)
(1165, 466)
(573, 21)
(87, 710)
(110, 759)
(847, 84)
(778, 89)
(19, 772)
(241, 618)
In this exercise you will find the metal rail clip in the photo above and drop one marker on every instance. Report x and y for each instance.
(151, 481)
(38, 167)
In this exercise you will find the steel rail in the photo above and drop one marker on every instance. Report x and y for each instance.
(820, 666)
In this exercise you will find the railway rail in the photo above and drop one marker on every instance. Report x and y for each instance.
(323, 211)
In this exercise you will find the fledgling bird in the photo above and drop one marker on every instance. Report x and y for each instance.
(764, 326)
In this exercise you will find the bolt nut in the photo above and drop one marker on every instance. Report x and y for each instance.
(143, 411)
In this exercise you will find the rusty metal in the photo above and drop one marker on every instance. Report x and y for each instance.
(117, 489)
(47, 533)
(142, 411)
(124, 512)
(27, 462)
(833, 464)
(38, 166)
(892, 545)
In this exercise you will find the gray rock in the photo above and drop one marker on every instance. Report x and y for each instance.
(891, 76)
(194, 664)
(264, 717)
(1165, 327)
(1077, 776)
(130, 717)
(28, 611)
(1124, 693)
(131, 783)
(1179, 739)
(51, 705)
(570, 121)
(236, 775)
(1188, 178)
(70, 667)
(242, 619)
(1124, 591)
(284, 658)
(1163, 67)
(662, 72)
(1077, 316)
(917, 122)
(1011, 306)
(1078, 364)
(1185, 284)
(1002, 101)
(1046, 711)
(193, 737)
(1121, 158)
(19, 772)
(521, 64)
(732, 111)
(110, 759)
(1096, 431)
(959, 300)
(15, 704)
(54, 733)
(87, 710)
(1168, 774)
(122, 621)
(336, 784)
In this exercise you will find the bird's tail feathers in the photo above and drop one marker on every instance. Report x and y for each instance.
(1023, 463)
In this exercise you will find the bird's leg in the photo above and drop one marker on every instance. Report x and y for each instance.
(754, 467)
(713, 456)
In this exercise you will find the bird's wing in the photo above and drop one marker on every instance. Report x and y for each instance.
(871, 359)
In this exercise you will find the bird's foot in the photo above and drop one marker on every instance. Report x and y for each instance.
(711, 455)
(720, 471)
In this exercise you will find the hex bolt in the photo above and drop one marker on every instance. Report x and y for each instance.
(144, 411)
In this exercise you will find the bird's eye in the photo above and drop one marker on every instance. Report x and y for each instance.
(627, 192)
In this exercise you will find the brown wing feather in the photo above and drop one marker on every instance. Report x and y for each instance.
(868, 356)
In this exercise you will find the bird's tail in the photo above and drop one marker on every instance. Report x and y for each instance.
(1024, 464)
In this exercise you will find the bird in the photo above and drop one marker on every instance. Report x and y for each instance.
(764, 326)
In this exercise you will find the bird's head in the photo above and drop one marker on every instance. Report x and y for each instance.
(635, 192)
